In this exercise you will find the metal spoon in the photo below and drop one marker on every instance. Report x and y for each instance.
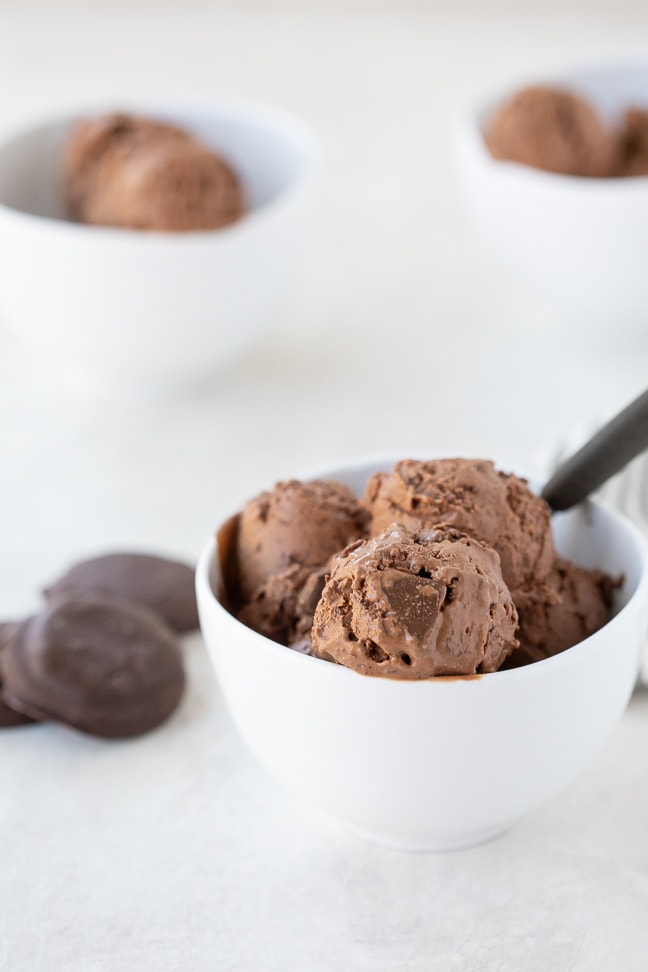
(605, 454)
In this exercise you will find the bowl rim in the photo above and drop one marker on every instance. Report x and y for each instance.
(574, 655)
(256, 114)
(469, 132)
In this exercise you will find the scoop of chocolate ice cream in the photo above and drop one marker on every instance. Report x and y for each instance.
(472, 495)
(297, 524)
(570, 605)
(412, 606)
(274, 555)
(548, 128)
(138, 173)
(282, 608)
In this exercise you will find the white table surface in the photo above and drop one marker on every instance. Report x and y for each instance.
(175, 851)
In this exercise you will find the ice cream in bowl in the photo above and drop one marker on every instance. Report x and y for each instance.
(555, 175)
(149, 246)
(417, 648)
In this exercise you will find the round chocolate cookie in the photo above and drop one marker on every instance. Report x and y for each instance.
(11, 717)
(8, 716)
(109, 668)
(165, 586)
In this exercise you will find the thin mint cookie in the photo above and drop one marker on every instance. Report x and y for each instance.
(165, 586)
(8, 717)
(109, 668)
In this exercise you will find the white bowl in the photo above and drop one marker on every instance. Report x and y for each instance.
(579, 243)
(147, 309)
(441, 763)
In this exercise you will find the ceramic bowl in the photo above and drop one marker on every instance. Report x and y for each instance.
(578, 243)
(145, 309)
(441, 763)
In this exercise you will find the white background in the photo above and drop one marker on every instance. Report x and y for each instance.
(174, 852)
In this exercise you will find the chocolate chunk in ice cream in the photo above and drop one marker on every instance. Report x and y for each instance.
(109, 668)
(555, 130)
(413, 606)
(472, 495)
(138, 173)
(165, 586)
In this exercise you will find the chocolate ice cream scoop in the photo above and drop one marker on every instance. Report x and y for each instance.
(283, 607)
(296, 524)
(472, 495)
(568, 607)
(138, 173)
(110, 668)
(165, 586)
(413, 606)
(552, 129)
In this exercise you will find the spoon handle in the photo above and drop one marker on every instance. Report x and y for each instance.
(607, 452)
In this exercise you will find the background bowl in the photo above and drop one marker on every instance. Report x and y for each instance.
(441, 763)
(154, 309)
(579, 243)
